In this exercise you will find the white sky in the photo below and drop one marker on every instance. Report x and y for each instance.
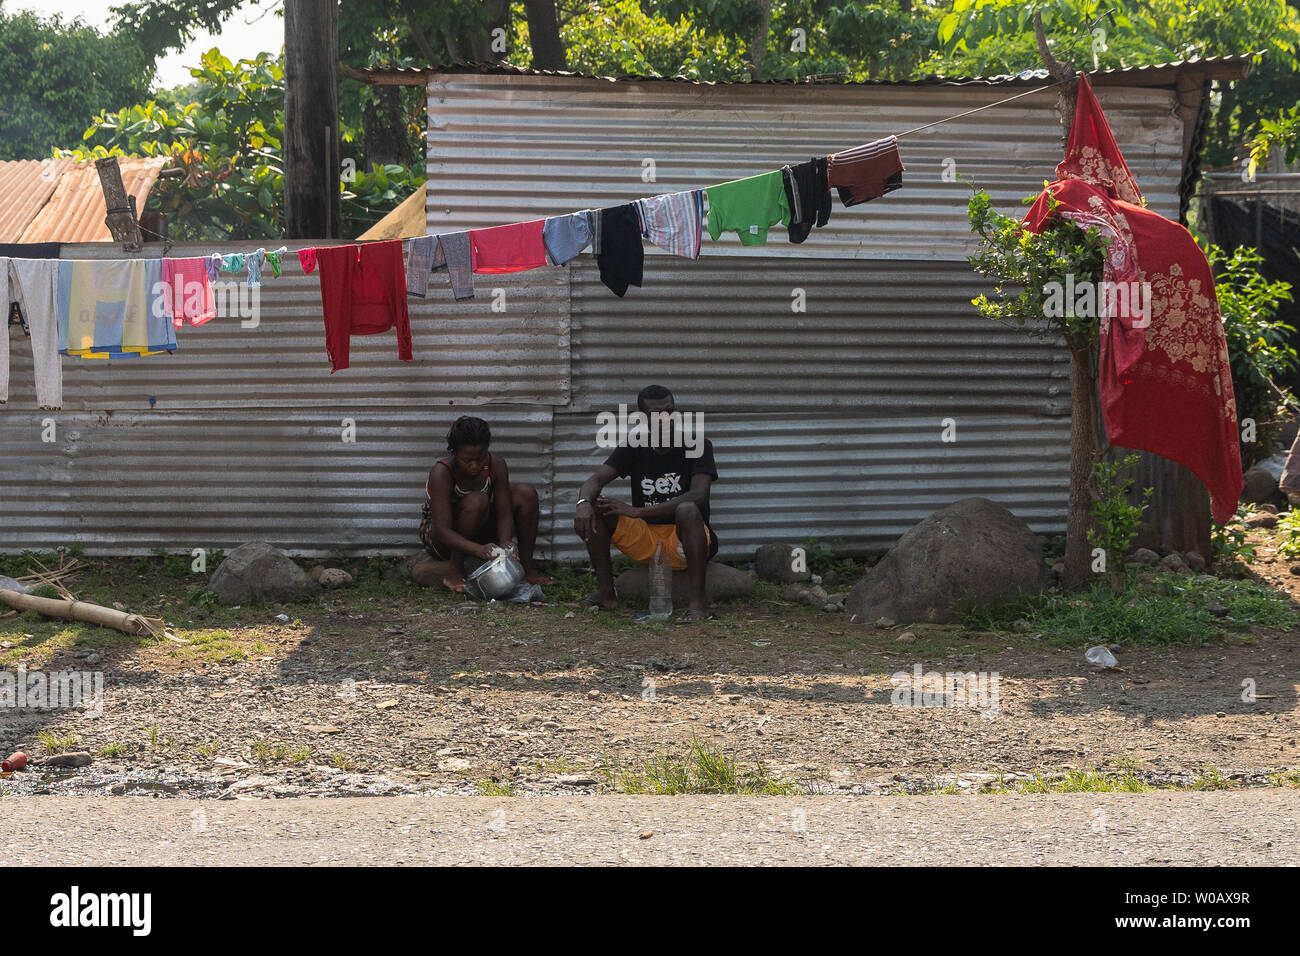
(256, 27)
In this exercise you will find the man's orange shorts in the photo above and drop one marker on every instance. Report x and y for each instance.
(637, 538)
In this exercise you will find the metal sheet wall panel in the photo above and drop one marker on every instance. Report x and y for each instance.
(466, 353)
(865, 479)
(889, 337)
(509, 148)
(131, 482)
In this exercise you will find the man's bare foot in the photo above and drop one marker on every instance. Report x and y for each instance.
(454, 584)
(607, 600)
(693, 615)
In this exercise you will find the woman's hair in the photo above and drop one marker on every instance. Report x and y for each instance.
(468, 430)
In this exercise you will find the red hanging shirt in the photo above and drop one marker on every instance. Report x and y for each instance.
(511, 248)
(363, 292)
(1165, 381)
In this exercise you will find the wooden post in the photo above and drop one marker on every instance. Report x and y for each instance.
(121, 219)
(312, 207)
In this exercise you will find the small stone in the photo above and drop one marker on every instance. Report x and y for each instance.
(387, 704)
(569, 614)
(1270, 508)
(830, 607)
(1144, 556)
(334, 578)
(1261, 519)
(907, 637)
(323, 729)
(1173, 562)
(282, 618)
(1021, 625)
(1194, 561)
(794, 592)
(593, 694)
(647, 834)
(885, 622)
(1220, 714)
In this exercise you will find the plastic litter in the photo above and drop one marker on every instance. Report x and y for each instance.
(1101, 656)
(661, 593)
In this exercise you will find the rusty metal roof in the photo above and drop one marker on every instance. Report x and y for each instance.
(58, 200)
(1229, 67)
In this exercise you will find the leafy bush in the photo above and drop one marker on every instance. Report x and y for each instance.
(1258, 343)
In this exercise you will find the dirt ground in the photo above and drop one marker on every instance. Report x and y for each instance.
(388, 688)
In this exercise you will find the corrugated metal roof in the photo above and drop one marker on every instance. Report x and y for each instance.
(58, 200)
(1229, 67)
(504, 148)
(25, 186)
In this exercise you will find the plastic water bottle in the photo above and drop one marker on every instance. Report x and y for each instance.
(661, 587)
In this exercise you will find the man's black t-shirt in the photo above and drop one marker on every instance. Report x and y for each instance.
(661, 476)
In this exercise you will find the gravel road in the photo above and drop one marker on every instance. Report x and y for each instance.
(1152, 828)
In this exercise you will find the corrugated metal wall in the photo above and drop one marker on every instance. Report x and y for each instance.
(244, 437)
(505, 148)
(826, 422)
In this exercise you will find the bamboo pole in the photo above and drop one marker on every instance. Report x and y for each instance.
(82, 611)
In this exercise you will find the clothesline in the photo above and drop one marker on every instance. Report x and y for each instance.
(364, 286)
(987, 106)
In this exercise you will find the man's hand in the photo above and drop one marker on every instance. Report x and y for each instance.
(582, 520)
(486, 551)
(611, 507)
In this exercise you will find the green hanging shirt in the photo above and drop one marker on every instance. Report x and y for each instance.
(748, 206)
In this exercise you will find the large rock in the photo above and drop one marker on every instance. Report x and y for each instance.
(258, 572)
(721, 583)
(1258, 486)
(774, 562)
(973, 552)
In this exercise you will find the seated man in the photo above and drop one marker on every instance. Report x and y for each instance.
(470, 505)
(670, 506)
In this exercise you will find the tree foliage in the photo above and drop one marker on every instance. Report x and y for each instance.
(54, 75)
(226, 137)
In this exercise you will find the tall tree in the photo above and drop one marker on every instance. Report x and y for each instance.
(311, 119)
(544, 34)
(54, 75)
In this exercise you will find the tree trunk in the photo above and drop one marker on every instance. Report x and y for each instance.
(483, 46)
(385, 139)
(1084, 447)
(758, 45)
(1178, 517)
(311, 119)
(544, 33)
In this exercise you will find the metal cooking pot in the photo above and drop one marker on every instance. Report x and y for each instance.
(498, 577)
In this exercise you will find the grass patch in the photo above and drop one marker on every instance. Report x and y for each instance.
(702, 769)
(1173, 608)
(56, 743)
(493, 788)
(1085, 781)
(219, 646)
(112, 750)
